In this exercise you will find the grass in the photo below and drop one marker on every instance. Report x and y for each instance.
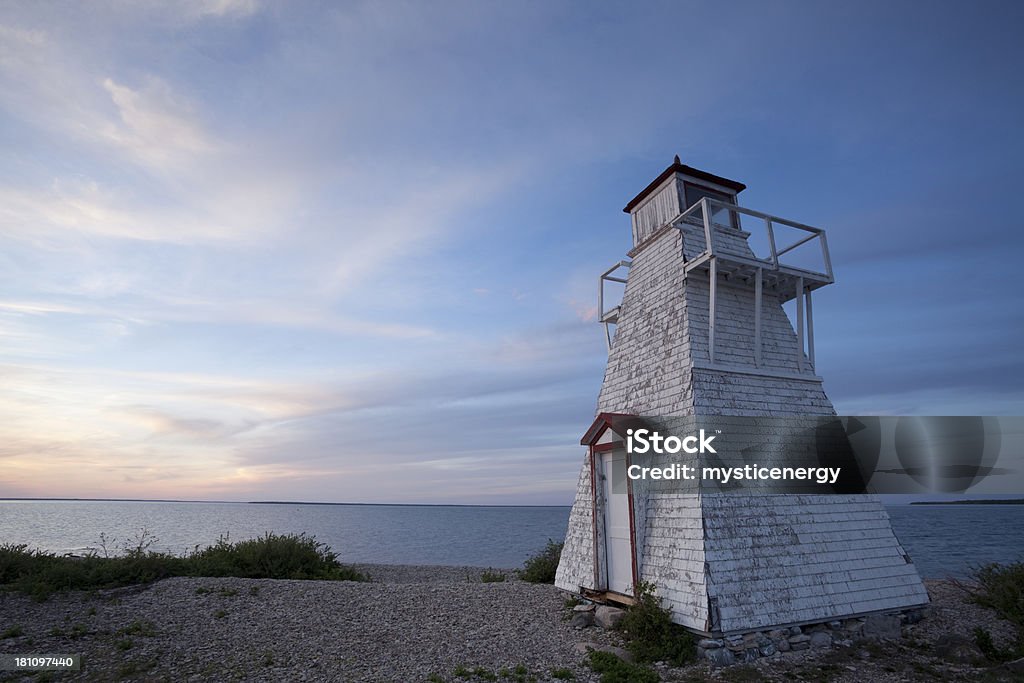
(651, 635)
(139, 627)
(520, 674)
(12, 632)
(272, 556)
(492, 576)
(541, 568)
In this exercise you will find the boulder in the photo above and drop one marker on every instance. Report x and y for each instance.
(582, 619)
(608, 617)
(720, 656)
(821, 639)
(881, 627)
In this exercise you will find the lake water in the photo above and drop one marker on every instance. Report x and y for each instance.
(942, 539)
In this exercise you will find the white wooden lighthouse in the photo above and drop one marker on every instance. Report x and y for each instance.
(701, 331)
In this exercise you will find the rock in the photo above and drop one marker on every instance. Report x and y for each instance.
(1016, 666)
(619, 652)
(589, 607)
(914, 616)
(582, 619)
(608, 617)
(783, 645)
(751, 654)
(710, 643)
(779, 633)
(794, 630)
(835, 625)
(821, 639)
(768, 650)
(880, 627)
(800, 642)
(956, 648)
(720, 656)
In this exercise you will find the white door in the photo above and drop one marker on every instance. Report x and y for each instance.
(618, 549)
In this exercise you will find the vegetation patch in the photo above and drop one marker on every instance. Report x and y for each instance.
(272, 556)
(139, 627)
(1000, 587)
(541, 568)
(492, 576)
(615, 670)
(11, 632)
(520, 674)
(651, 635)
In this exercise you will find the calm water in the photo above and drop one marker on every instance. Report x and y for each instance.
(943, 540)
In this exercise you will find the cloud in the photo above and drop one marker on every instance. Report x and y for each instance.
(157, 127)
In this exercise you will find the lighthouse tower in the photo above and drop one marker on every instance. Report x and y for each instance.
(701, 331)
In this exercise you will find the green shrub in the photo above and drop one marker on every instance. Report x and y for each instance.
(541, 568)
(1001, 588)
(651, 634)
(272, 556)
(615, 670)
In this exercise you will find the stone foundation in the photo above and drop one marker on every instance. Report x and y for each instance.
(748, 647)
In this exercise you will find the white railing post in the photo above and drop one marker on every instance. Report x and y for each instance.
(757, 318)
(705, 206)
(711, 309)
(800, 324)
(810, 330)
(771, 242)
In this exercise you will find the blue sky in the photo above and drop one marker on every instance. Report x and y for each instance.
(348, 252)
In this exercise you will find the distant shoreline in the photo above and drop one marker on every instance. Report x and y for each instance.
(281, 502)
(1012, 501)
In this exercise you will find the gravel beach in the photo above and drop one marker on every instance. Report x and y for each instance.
(409, 624)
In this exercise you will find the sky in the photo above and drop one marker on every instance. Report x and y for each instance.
(348, 252)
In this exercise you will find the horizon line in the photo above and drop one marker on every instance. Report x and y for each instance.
(277, 502)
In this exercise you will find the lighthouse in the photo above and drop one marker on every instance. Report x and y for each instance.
(702, 330)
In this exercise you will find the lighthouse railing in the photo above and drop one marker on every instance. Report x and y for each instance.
(701, 213)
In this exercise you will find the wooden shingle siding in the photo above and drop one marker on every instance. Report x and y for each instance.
(576, 568)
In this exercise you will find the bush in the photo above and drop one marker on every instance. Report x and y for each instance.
(1001, 588)
(615, 670)
(271, 557)
(651, 634)
(492, 576)
(541, 568)
(40, 574)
